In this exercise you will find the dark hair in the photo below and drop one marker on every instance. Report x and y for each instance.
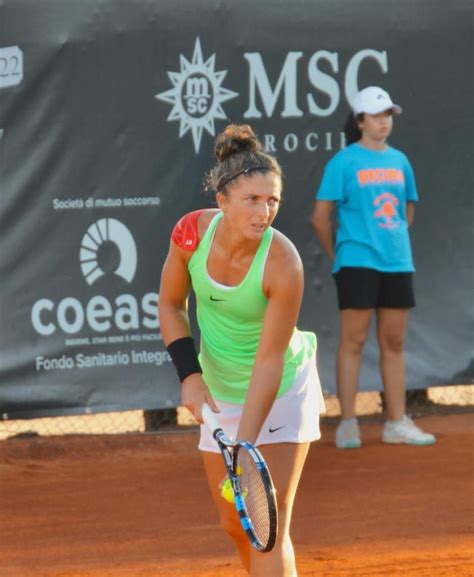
(238, 152)
(351, 128)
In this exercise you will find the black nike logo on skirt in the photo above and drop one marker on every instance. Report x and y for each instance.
(270, 430)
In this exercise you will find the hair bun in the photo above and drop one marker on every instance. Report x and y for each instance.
(234, 140)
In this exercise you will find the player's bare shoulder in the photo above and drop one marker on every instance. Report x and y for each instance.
(284, 253)
(205, 219)
(283, 263)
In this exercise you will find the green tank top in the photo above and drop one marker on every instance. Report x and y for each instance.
(230, 321)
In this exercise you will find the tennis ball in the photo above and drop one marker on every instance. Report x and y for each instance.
(227, 492)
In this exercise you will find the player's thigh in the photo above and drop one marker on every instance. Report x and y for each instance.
(216, 473)
(285, 462)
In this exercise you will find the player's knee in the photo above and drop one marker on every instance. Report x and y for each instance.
(235, 532)
(284, 519)
(231, 526)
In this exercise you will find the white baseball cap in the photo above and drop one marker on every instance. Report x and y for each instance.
(373, 100)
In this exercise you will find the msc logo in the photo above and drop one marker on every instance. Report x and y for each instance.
(99, 246)
(197, 95)
(289, 92)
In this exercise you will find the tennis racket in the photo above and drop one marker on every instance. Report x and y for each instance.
(254, 493)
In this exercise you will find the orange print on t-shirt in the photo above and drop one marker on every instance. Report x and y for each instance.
(386, 212)
(380, 175)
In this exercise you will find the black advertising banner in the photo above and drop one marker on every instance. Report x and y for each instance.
(108, 112)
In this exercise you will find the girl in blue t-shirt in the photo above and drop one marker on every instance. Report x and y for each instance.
(373, 189)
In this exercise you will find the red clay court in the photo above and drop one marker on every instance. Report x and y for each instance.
(138, 506)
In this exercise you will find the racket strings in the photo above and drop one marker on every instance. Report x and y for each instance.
(254, 493)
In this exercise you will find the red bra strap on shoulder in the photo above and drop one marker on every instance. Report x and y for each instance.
(185, 234)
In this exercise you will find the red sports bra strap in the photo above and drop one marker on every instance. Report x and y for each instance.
(185, 233)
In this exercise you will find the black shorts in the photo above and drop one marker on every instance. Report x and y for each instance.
(366, 288)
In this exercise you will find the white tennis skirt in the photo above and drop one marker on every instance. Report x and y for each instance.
(293, 418)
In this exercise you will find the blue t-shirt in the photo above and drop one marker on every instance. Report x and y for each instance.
(371, 189)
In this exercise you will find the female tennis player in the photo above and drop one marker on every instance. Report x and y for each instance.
(255, 368)
(373, 189)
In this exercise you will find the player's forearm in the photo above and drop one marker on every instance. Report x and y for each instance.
(174, 322)
(261, 394)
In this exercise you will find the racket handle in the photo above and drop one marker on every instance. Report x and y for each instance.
(209, 418)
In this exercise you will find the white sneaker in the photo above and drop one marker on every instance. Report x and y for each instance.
(405, 431)
(348, 434)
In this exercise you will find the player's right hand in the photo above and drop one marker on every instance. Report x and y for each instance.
(194, 393)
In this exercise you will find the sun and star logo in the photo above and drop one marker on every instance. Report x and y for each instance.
(197, 95)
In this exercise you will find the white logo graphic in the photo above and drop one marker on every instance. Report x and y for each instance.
(102, 231)
(197, 95)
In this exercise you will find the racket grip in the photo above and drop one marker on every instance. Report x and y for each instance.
(209, 418)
